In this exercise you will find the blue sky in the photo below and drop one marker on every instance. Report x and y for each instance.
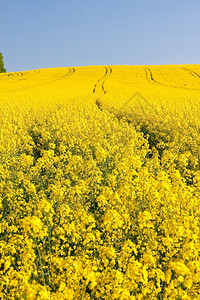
(58, 33)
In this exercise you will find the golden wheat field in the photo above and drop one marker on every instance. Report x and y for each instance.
(100, 183)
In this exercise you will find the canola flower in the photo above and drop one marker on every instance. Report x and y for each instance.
(99, 183)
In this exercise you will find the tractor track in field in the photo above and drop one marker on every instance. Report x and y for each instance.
(19, 74)
(151, 79)
(15, 74)
(193, 73)
(100, 83)
(69, 73)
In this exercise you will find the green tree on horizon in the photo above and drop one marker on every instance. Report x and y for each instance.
(2, 69)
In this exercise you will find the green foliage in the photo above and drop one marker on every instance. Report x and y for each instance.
(2, 69)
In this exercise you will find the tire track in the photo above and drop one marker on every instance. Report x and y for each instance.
(193, 73)
(15, 74)
(69, 73)
(151, 79)
(19, 74)
(40, 84)
(100, 83)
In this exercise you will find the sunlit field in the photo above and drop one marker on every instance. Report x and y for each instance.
(100, 183)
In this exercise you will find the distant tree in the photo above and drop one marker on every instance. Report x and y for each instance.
(2, 69)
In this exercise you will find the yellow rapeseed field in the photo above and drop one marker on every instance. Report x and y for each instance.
(100, 183)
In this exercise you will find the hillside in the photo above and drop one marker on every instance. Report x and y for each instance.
(152, 81)
(99, 183)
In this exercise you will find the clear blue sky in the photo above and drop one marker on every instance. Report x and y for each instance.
(58, 33)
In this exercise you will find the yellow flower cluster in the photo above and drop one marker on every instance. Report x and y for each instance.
(100, 183)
